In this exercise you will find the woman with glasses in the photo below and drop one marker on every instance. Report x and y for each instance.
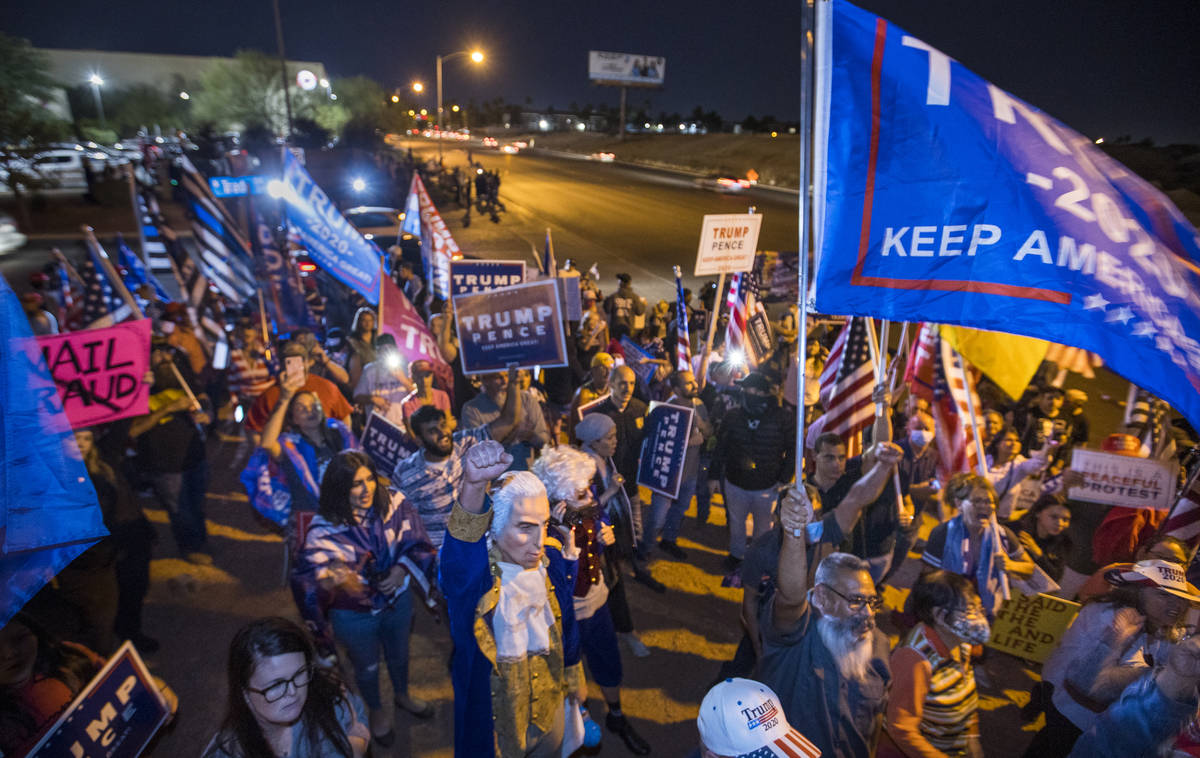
(932, 706)
(353, 579)
(973, 545)
(282, 703)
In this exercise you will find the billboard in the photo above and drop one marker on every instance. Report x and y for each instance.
(626, 69)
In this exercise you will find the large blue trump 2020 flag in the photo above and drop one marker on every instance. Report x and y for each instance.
(947, 199)
(336, 245)
(48, 508)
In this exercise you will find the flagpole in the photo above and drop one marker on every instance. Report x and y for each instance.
(90, 235)
(713, 316)
(379, 314)
(808, 35)
(980, 462)
(184, 385)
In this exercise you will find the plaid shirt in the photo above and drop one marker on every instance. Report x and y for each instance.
(433, 489)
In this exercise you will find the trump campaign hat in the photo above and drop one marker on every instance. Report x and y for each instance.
(742, 718)
(1164, 575)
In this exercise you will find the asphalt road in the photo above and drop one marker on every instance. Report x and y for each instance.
(625, 219)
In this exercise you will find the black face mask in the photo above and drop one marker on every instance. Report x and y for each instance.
(755, 405)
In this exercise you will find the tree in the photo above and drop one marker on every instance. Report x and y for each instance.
(27, 125)
(247, 92)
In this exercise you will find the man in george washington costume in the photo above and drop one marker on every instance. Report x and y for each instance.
(516, 672)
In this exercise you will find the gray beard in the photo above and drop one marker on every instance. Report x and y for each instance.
(851, 653)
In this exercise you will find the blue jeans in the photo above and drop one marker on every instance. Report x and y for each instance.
(666, 514)
(363, 633)
(182, 493)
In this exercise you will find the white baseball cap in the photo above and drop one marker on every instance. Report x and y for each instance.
(1168, 577)
(743, 719)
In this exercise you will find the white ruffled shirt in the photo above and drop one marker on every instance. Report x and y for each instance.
(523, 617)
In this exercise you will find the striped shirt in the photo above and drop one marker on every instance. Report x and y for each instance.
(248, 375)
(433, 487)
(949, 705)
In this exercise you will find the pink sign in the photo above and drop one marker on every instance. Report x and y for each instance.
(413, 338)
(99, 372)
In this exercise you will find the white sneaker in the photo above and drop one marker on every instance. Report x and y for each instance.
(635, 645)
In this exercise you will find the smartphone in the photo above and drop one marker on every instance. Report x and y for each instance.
(293, 366)
(221, 356)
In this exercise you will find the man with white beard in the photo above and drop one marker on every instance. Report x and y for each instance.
(821, 650)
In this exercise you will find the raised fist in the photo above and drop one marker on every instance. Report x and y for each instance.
(485, 461)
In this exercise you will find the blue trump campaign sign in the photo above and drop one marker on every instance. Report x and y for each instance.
(479, 276)
(331, 240)
(633, 352)
(947, 199)
(664, 447)
(521, 324)
(386, 443)
(117, 714)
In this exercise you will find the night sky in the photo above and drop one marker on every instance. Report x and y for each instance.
(1105, 68)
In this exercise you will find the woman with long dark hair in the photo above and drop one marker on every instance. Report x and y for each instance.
(1015, 477)
(353, 577)
(1043, 533)
(282, 703)
(300, 438)
(361, 344)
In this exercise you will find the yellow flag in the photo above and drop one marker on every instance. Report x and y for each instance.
(1008, 359)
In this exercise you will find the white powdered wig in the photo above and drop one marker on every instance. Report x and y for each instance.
(564, 470)
(513, 486)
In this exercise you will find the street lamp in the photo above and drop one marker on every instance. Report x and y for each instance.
(97, 82)
(418, 87)
(476, 57)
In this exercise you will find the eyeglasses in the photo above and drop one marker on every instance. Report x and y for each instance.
(277, 690)
(858, 602)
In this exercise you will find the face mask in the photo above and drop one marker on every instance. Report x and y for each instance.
(920, 437)
(755, 406)
(973, 629)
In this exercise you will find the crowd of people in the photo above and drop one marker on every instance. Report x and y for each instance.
(515, 513)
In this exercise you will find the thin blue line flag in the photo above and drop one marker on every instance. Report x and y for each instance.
(941, 197)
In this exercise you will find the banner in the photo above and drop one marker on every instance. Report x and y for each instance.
(99, 372)
(1122, 480)
(385, 442)
(1031, 627)
(946, 199)
(590, 407)
(644, 371)
(117, 714)
(759, 338)
(778, 275)
(413, 338)
(438, 247)
(330, 239)
(468, 277)
(727, 243)
(569, 291)
(284, 293)
(521, 325)
(664, 448)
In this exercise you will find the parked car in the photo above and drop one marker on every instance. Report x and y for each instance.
(10, 238)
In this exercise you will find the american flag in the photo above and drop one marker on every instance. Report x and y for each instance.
(683, 343)
(224, 254)
(937, 374)
(791, 745)
(1184, 520)
(102, 301)
(846, 385)
(69, 297)
(742, 302)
